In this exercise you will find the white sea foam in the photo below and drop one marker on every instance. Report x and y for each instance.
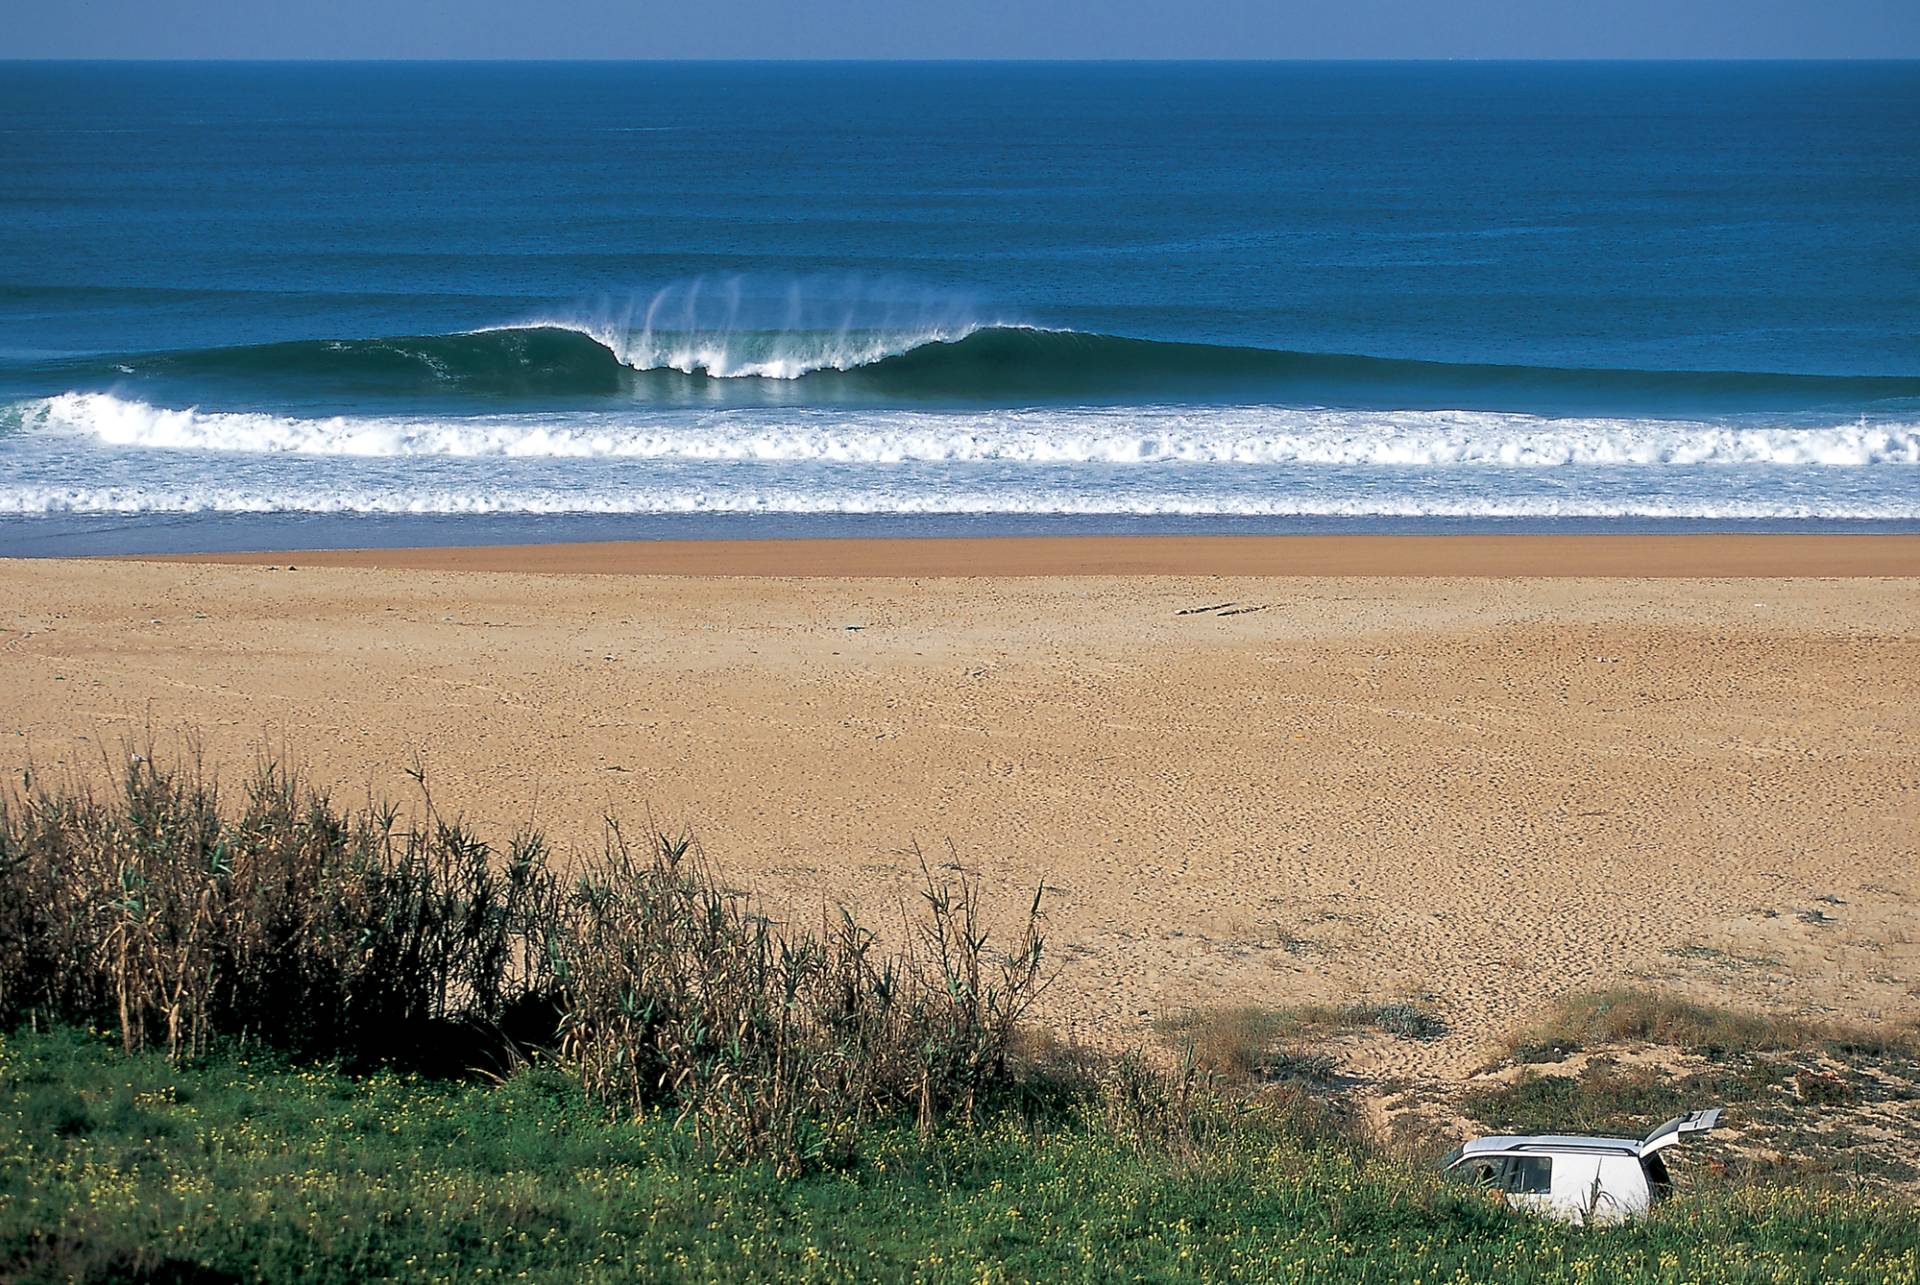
(1242, 435)
(97, 453)
(347, 499)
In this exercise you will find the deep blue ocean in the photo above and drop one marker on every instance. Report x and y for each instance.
(301, 304)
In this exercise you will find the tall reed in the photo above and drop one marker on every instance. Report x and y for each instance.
(160, 913)
(771, 1040)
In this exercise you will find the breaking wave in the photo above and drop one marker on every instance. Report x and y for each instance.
(1135, 435)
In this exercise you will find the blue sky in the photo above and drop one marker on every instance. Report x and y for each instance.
(961, 29)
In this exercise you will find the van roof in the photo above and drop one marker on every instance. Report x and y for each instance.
(1519, 1144)
(1548, 1142)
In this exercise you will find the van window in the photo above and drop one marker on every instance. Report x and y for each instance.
(1483, 1171)
(1530, 1175)
(1659, 1182)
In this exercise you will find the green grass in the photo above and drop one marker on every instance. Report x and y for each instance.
(117, 1167)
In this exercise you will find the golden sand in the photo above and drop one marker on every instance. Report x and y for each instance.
(1479, 788)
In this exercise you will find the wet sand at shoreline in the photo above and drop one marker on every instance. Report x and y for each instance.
(1555, 556)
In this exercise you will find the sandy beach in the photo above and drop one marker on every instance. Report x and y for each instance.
(1485, 772)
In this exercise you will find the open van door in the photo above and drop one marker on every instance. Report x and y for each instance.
(1681, 1126)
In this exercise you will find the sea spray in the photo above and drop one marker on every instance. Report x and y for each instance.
(743, 326)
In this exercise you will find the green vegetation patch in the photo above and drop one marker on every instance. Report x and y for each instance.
(116, 1167)
(181, 919)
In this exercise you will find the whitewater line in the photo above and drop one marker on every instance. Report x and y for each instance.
(1123, 436)
(21, 501)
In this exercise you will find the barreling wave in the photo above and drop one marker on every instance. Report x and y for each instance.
(1142, 435)
(961, 362)
(735, 353)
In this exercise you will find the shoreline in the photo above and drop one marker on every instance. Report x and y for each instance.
(1692, 556)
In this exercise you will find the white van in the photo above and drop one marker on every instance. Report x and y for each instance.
(1577, 1180)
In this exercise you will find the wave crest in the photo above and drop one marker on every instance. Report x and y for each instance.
(747, 327)
(755, 354)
